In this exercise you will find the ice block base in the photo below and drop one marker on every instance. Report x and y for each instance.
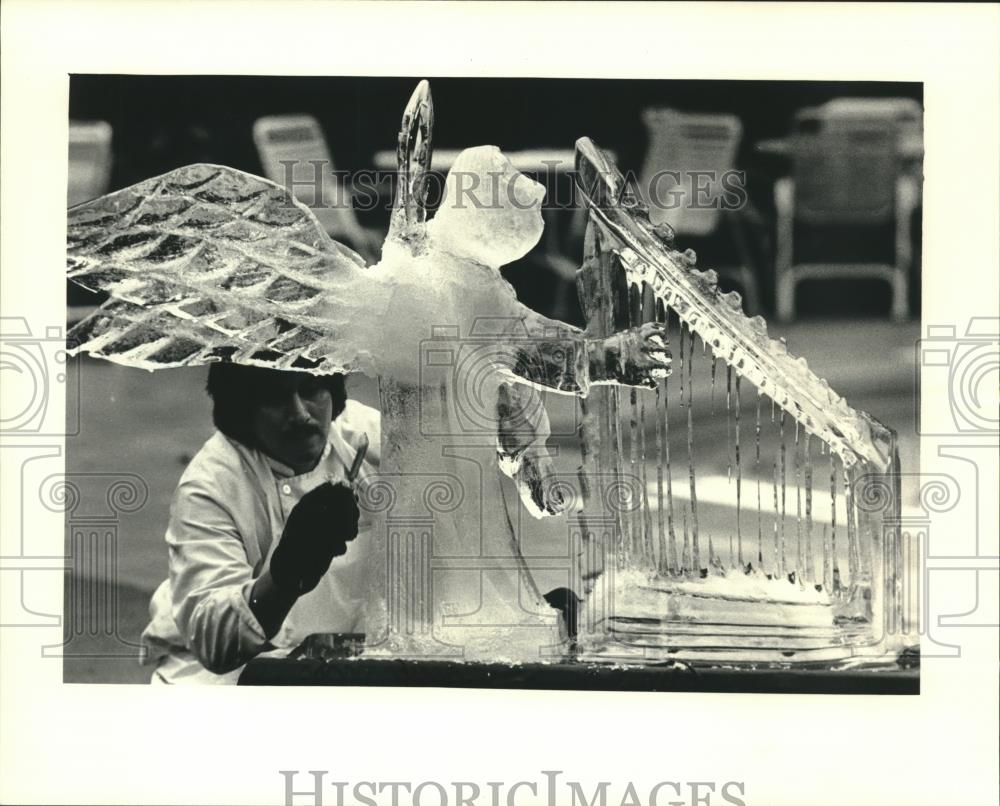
(734, 619)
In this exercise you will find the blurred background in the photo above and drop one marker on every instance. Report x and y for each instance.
(848, 141)
(824, 242)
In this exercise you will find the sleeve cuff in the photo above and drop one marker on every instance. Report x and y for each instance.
(250, 628)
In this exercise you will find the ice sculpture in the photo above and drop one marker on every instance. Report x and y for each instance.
(207, 263)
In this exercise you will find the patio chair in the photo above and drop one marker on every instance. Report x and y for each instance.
(681, 145)
(297, 142)
(88, 176)
(89, 160)
(846, 178)
(906, 113)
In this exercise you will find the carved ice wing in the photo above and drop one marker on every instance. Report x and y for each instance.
(206, 263)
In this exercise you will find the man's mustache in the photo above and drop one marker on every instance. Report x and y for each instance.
(303, 431)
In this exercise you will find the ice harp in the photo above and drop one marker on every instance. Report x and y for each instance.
(786, 594)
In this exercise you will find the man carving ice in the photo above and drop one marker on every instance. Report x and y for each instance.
(263, 538)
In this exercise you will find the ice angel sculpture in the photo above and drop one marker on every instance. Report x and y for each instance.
(207, 263)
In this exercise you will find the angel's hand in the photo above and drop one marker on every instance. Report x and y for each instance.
(638, 356)
(521, 423)
(534, 480)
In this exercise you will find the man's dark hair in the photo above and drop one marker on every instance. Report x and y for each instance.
(236, 390)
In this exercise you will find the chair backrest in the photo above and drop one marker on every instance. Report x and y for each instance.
(903, 110)
(679, 144)
(845, 173)
(905, 114)
(297, 140)
(89, 160)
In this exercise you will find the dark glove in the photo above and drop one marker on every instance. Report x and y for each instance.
(318, 529)
(568, 604)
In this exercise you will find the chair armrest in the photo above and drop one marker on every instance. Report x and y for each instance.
(907, 197)
(784, 206)
(907, 193)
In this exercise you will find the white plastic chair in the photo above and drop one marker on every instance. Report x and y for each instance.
(89, 160)
(297, 142)
(846, 172)
(88, 176)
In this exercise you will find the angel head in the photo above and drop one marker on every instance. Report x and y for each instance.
(490, 213)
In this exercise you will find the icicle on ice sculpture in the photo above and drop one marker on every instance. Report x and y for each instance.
(781, 592)
(210, 264)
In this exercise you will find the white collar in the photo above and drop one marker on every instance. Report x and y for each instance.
(283, 471)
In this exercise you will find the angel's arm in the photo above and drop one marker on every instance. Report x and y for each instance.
(546, 353)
